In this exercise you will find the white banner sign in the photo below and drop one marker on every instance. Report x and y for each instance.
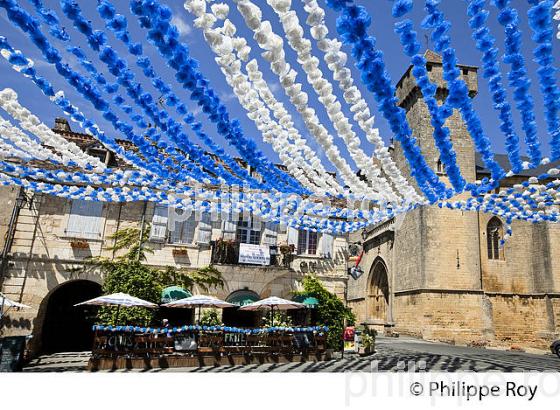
(254, 254)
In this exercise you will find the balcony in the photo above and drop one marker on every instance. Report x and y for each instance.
(226, 252)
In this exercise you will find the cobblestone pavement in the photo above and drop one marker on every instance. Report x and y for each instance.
(392, 354)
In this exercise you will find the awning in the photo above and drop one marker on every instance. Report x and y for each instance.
(309, 301)
(242, 298)
(173, 293)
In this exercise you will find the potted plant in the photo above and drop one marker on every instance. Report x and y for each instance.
(79, 244)
(367, 342)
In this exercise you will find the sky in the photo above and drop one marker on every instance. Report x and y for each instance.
(381, 28)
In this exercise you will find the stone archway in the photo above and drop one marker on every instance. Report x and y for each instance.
(378, 292)
(241, 318)
(67, 327)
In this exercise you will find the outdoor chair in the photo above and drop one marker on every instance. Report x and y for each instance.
(100, 347)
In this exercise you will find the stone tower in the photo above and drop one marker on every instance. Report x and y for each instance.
(442, 279)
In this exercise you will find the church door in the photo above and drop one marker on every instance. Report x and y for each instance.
(379, 292)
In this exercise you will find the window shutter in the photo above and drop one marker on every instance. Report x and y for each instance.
(204, 230)
(229, 229)
(158, 232)
(270, 234)
(292, 236)
(327, 245)
(85, 219)
(188, 227)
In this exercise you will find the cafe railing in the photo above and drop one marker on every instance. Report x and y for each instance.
(133, 341)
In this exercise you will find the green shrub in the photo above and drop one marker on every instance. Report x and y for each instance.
(331, 310)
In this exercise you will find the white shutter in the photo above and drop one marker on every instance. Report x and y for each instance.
(158, 232)
(270, 234)
(327, 245)
(204, 230)
(229, 228)
(85, 219)
(292, 236)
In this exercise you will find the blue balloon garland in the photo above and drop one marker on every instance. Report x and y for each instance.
(118, 25)
(164, 36)
(491, 70)
(352, 25)
(518, 78)
(458, 97)
(540, 21)
(441, 133)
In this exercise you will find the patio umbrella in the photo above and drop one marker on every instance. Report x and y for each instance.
(273, 302)
(7, 304)
(199, 301)
(118, 300)
(173, 293)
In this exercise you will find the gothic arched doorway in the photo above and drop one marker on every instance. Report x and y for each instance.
(378, 292)
(68, 328)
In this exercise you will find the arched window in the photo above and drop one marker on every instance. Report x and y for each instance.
(440, 167)
(494, 233)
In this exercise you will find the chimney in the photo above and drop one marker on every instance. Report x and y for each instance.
(61, 124)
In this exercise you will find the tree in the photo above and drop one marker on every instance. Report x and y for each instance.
(331, 311)
(128, 273)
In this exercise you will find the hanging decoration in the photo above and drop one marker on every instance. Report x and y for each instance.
(167, 155)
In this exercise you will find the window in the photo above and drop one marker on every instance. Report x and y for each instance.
(440, 167)
(158, 232)
(183, 232)
(85, 219)
(307, 243)
(494, 234)
(248, 231)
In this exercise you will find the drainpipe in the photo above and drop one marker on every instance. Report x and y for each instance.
(20, 200)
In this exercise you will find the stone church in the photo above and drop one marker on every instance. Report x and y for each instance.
(440, 274)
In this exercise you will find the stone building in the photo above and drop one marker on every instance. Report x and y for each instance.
(440, 273)
(49, 239)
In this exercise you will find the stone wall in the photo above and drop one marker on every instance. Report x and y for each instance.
(42, 259)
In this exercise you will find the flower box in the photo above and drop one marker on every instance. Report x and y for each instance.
(180, 252)
(79, 244)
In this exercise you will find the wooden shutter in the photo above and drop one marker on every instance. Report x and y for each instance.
(158, 231)
(204, 230)
(229, 229)
(85, 219)
(270, 234)
(327, 245)
(292, 236)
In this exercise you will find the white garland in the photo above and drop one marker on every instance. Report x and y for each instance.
(274, 54)
(23, 146)
(323, 88)
(223, 44)
(336, 62)
(29, 122)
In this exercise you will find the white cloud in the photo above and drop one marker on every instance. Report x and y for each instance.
(228, 97)
(182, 26)
(274, 86)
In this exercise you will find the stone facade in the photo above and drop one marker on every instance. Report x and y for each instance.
(44, 257)
(441, 282)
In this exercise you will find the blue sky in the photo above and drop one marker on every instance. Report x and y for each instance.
(382, 28)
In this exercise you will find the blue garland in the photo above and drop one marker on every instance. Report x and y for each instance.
(164, 36)
(540, 21)
(518, 79)
(50, 18)
(125, 77)
(118, 24)
(458, 92)
(352, 25)
(491, 70)
(228, 329)
(441, 132)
